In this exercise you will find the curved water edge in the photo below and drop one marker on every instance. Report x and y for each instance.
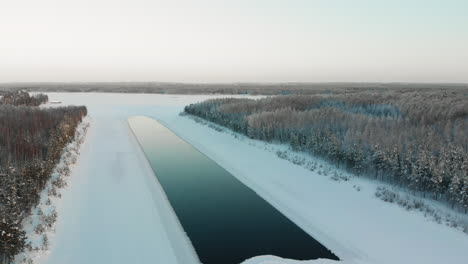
(226, 221)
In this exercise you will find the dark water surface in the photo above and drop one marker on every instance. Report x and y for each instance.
(226, 221)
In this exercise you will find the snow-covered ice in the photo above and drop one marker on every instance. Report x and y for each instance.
(114, 210)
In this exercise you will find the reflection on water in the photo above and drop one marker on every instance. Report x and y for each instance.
(225, 220)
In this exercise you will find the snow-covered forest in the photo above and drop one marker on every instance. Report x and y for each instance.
(31, 143)
(415, 139)
(113, 208)
(222, 88)
(20, 97)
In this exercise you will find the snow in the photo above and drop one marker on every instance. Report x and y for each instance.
(114, 210)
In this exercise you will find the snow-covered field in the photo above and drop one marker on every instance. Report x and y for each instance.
(114, 210)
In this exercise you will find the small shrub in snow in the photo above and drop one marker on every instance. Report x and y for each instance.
(39, 229)
(53, 191)
(311, 166)
(50, 220)
(282, 154)
(438, 219)
(65, 170)
(298, 160)
(338, 177)
(45, 242)
(335, 177)
(325, 172)
(73, 160)
(67, 154)
(59, 182)
(386, 195)
(26, 260)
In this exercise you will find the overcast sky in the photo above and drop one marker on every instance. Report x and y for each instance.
(234, 41)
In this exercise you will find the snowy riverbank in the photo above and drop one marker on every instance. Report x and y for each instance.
(40, 224)
(114, 210)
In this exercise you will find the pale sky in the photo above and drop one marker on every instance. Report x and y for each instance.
(234, 41)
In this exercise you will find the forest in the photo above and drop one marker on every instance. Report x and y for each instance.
(31, 144)
(20, 97)
(413, 139)
(224, 88)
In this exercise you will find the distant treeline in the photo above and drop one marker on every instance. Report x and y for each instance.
(417, 140)
(31, 144)
(22, 98)
(224, 88)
